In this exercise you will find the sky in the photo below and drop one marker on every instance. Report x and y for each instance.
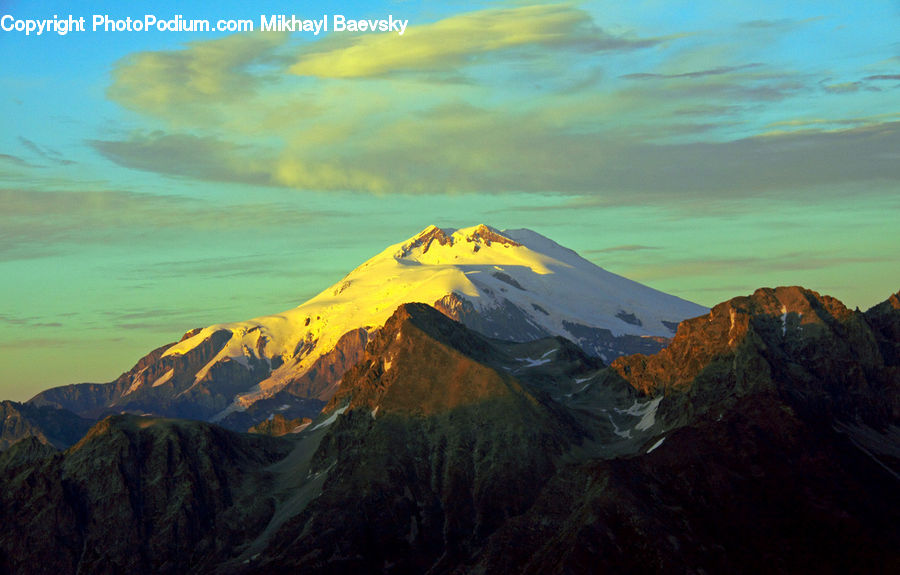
(156, 181)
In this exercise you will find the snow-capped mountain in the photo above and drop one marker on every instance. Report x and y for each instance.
(515, 285)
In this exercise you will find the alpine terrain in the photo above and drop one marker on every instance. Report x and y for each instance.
(513, 285)
(477, 402)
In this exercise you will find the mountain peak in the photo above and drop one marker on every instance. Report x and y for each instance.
(894, 300)
(480, 235)
(513, 284)
(450, 364)
(486, 234)
(424, 239)
(786, 339)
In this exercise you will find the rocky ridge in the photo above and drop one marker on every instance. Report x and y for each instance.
(765, 438)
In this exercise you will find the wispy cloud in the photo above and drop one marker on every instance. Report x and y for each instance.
(157, 319)
(186, 84)
(218, 268)
(720, 71)
(781, 25)
(624, 248)
(714, 274)
(456, 41)
(15, 160)
(45, 153)
(27, 322)
(883, 77)
(472, 150)
(41, 224)
(200, 157)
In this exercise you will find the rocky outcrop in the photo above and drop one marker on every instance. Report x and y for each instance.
(808, 348)
(278, 425)
(424, 240)
(506, 321)
(884, 320)
(176, 385)
(48, 425)
(321, 380)
(479, 235)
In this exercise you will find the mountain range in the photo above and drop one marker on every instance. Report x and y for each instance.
(512, 285)
(507, 408)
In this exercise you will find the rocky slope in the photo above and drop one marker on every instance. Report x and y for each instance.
(278, 425)
(431, 446)
(810, 349)
(766, 438)
(759, 490)
(136, 495)
(784, 469)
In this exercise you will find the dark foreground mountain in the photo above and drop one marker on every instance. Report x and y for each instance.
(135, 495)
(759, 490)
(765, 438)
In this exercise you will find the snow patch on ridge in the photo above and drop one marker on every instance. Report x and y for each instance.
(164, 378)
(646, 411)
(331, 418)
(657, 444)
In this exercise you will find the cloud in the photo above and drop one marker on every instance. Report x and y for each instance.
(459, 40)
(782, 163)
(778, 25)
(466, 149)
(235, 266)
(200, 157)
(15, 160)
(43, 343)
(868, 83)
(750, 265)
(843, 87)
(154, 319)
(495, 101)
(182, 83)
(720, 71)
(48, 223)
(624, 248)
(19, 322)
(893, 77)
(45, 153)
(718, 87)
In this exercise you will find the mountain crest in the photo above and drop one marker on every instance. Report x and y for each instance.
(486, 234)
(770, 318)
(480, 235)
(448, 362)
(786, 340)
(424, 240)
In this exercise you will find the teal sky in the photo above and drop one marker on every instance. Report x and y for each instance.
(152, 182)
